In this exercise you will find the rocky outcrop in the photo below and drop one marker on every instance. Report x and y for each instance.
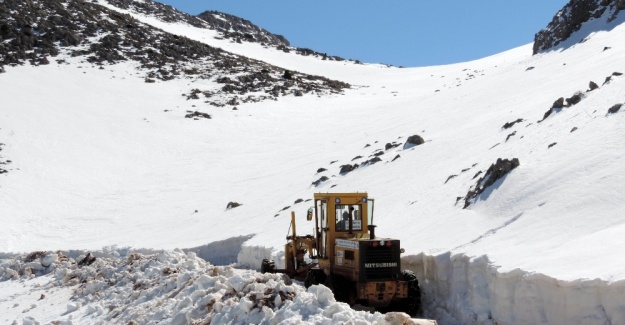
(494, 173)
(3, 162)
(511, 124)
(239, 29)
(38, 31)
(571, 18)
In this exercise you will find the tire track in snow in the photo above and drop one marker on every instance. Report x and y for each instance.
(490, 232)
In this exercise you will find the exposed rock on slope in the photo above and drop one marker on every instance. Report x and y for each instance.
(37, 31)
(3, 162)
(231, 27)
(413, 140)
(495, 172)
(570, 19)
(240, 29)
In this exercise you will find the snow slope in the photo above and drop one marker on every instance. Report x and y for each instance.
(100, 158)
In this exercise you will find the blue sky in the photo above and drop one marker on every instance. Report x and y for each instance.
(403, 33)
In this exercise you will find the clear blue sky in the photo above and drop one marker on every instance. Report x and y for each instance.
(403, 32)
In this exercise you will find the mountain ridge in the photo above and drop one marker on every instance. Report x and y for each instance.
(571, 18)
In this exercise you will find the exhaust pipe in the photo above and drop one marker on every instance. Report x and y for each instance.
(371, 231)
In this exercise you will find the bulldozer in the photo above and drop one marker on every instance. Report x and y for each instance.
(359, 267)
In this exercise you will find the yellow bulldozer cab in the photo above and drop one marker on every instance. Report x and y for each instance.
(344, 216)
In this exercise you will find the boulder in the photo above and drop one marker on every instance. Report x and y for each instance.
(412, 141)
(347, 168)
(614, 108)
(232, 205)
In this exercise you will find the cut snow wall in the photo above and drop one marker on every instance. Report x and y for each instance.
(223, 252)
(252, 256)
(457, 289)
(472, 291)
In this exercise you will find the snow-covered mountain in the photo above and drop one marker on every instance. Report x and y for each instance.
(129, 129)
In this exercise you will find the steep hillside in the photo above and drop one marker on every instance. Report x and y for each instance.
(131, 125)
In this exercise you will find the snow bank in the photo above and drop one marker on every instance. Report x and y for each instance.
(252, 256)
(123, 286)
(221, 252)
(461, 290)
(174, 287)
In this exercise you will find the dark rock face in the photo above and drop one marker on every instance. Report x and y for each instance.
(559, 103)
(3, 162)
(232, 205)
(413, 140)
(615, 108)
(571, 18)
(374, 160)
(575, 99)
(196, 115)
(320, 180)
(494, 173)
(392, 145)
(347, 168)
(511, 124)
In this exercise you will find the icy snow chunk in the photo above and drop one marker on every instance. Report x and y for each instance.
(204, 282)
(398, 318)
(36, 266)
(183, 279)
(258, 287)
(97, 309)
(245, 304)
(49, 259)
(94, 286)
(336, 309)
(72, 307)
(179, 319)
(197, 294)
(30, 321)
(186, 302)
(277, 301)
(323, 294)
(9, 274)
(218, 306)
(237, 283)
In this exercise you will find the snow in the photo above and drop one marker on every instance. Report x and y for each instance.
(173, 287)
(103, 162)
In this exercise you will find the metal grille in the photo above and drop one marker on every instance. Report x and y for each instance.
(380, 255)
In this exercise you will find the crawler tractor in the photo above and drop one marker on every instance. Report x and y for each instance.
(357, 266)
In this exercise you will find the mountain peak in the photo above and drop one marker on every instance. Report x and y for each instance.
(240, 29)
(572, 17)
